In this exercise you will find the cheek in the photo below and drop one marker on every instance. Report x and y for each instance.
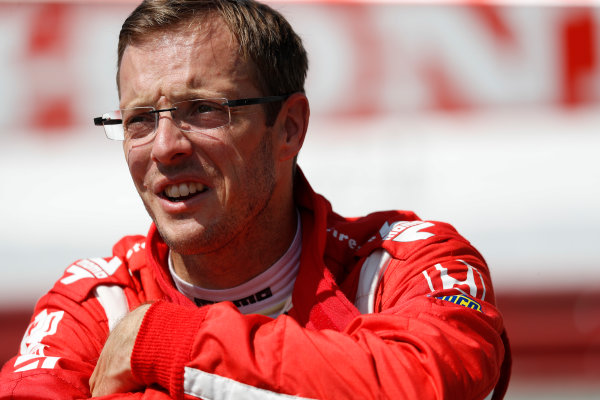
(137, 162)
(244, 146)
(258, 169)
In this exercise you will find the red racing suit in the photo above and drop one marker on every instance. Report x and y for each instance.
(385, 306)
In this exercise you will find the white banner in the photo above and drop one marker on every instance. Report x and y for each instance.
(367, 59)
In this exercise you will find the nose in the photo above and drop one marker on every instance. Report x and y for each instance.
(170, 144)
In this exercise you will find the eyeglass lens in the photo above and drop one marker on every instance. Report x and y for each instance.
(190, 116)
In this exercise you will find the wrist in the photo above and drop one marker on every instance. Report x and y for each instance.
(162, 346)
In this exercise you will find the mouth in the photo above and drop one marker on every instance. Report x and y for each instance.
(183, 191)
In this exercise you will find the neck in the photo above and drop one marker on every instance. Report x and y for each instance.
(249, 254)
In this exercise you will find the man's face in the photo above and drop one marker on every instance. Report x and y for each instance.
(229, 172)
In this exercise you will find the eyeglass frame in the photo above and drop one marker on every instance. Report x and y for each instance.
(102, 121)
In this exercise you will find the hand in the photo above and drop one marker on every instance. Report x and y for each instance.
(113, 370)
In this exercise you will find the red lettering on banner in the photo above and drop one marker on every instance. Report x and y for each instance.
(447, 95)
(48, 33)
(48, 43)
(364, 94)
(54, 113)
(493, 19)
(579, 47)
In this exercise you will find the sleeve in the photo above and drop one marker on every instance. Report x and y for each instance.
(70, 324)
(58, 351)
(419, 341)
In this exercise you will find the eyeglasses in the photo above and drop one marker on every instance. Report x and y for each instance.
(138, 124)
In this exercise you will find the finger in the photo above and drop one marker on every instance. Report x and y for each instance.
(93, 382)
(94, 379)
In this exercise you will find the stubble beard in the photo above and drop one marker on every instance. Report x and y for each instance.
(210, 238)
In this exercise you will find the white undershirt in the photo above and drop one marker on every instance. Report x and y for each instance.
(269, 293)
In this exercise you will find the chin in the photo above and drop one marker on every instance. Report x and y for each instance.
(195, 239)
(184, 244)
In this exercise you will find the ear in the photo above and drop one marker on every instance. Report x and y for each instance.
(292, 123)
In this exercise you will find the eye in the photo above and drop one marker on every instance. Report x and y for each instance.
(138, 123)
(197, 115)
(139, 119)
(206, 107)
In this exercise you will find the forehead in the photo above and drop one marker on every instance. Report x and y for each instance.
(202, 57)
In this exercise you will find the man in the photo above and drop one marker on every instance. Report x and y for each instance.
(248, 285)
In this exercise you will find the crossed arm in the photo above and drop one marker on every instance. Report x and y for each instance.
(416, 346)
(113, 370)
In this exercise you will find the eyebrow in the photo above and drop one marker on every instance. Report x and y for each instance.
(191, 95)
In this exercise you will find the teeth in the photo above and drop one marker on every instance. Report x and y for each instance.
(183, 189)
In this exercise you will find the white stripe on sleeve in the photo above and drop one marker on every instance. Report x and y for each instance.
(113, 300)
(214, 387)
(370, 275)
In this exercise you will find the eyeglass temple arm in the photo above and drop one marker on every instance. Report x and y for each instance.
(101, 121)
(256, 100)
